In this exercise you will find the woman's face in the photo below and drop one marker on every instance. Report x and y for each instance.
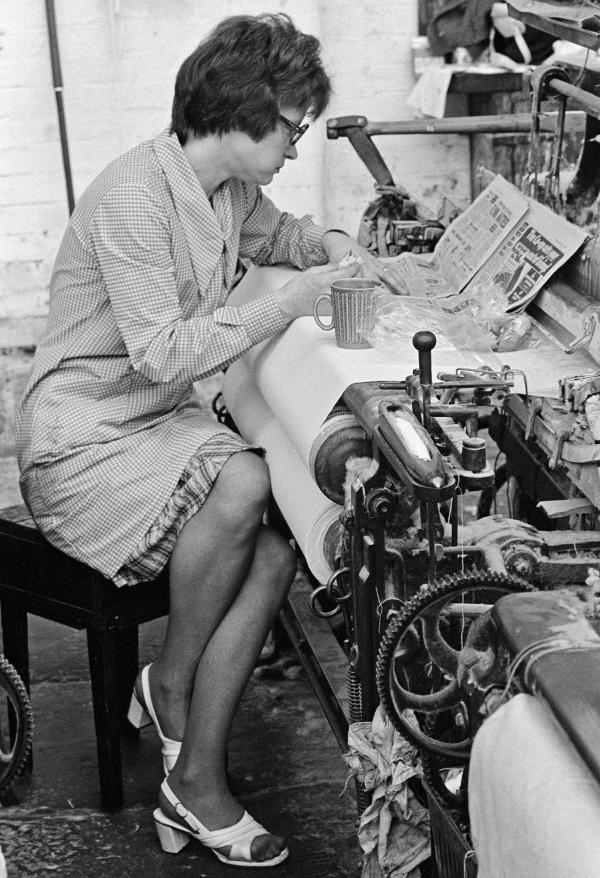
(259, 162)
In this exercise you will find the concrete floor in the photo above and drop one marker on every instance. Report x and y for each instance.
(287, 770)
(286, 766)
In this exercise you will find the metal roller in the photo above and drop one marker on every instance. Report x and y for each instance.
(339, 438)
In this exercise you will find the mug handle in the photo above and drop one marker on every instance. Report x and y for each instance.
(318, 301)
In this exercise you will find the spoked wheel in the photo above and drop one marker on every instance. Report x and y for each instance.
(440, 647)
(16, 725)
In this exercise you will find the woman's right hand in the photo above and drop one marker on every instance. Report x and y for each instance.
(297, 297)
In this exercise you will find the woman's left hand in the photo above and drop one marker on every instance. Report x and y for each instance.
(337, 245)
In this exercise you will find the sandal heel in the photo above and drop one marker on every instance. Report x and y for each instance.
(171, 840)
(238, 837)
(137, 714)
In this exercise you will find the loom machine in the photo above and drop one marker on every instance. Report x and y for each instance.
(443, 619)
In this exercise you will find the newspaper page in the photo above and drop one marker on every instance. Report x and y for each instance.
(475, 233)
(540, 243)
(466, 244)
(501, 250)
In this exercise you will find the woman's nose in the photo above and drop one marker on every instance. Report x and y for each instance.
(291, 152)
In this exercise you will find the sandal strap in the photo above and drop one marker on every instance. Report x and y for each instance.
(239, 836)
(169, 746)
(147, 696)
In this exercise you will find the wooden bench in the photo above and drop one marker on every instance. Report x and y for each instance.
(37, 578)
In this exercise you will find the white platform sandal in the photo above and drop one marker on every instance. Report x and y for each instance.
(141, 714)
(174, 836)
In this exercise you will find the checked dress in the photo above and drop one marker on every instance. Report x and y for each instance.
(115, 453)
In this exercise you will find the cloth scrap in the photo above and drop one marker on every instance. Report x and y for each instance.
(394, 830)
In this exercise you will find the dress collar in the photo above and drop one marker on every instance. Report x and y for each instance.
(206, 227)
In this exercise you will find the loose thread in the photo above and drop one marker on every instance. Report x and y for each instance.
(537, 650)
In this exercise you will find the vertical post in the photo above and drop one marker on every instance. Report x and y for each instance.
(58, 93)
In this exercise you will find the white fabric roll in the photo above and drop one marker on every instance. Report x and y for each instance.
(311, 517)
(301, 373)
(533, 803)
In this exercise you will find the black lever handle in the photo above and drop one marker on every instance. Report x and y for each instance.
(424, 342)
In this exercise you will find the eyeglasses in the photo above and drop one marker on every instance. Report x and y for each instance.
(297, 130)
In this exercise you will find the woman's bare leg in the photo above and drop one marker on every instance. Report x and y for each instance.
(210, 561)
(229, 576)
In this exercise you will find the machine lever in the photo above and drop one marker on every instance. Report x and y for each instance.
(424, 342)
(556, 454)
(535, 408)
(589, 325)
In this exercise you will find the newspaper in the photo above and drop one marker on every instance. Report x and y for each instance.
(504, 246)
(539, 244)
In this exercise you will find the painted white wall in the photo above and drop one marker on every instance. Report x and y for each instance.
(119, 59)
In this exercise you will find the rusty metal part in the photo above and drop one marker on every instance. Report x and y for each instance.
(544, 81)
(590, 322)
(428, 666)
(340, 438)
(502, 542)
(503, 123)
(552, 196)
(546, 558)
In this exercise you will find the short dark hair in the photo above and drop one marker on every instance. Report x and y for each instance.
(243, 72)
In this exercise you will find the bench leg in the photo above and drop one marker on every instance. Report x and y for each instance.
(128, 647)
(104, 673)
(16, 648)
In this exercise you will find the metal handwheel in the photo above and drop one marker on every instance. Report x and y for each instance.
(442, 646)
(16, 725)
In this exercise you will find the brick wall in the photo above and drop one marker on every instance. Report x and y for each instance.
(119, 59)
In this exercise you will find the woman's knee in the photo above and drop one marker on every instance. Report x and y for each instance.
(242, 488)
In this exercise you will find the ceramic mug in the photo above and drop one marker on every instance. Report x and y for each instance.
(353, 311)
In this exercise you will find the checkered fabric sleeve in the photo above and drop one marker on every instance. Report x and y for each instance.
(270, 236)
(132, 243)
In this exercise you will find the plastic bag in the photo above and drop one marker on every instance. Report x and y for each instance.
(397, 318)
(489, 305)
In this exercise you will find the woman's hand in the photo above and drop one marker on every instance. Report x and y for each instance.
(337, 245)
(297, 297)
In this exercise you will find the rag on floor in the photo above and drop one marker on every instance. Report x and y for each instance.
(394, 830)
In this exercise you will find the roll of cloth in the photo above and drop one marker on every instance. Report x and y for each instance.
(534, 805)
(302, 374)
(312, 518)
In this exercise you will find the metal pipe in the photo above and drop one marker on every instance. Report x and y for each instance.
(58, 93)
(589, 102)
(502, 124)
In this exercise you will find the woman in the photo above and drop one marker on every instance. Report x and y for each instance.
(119, 466)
